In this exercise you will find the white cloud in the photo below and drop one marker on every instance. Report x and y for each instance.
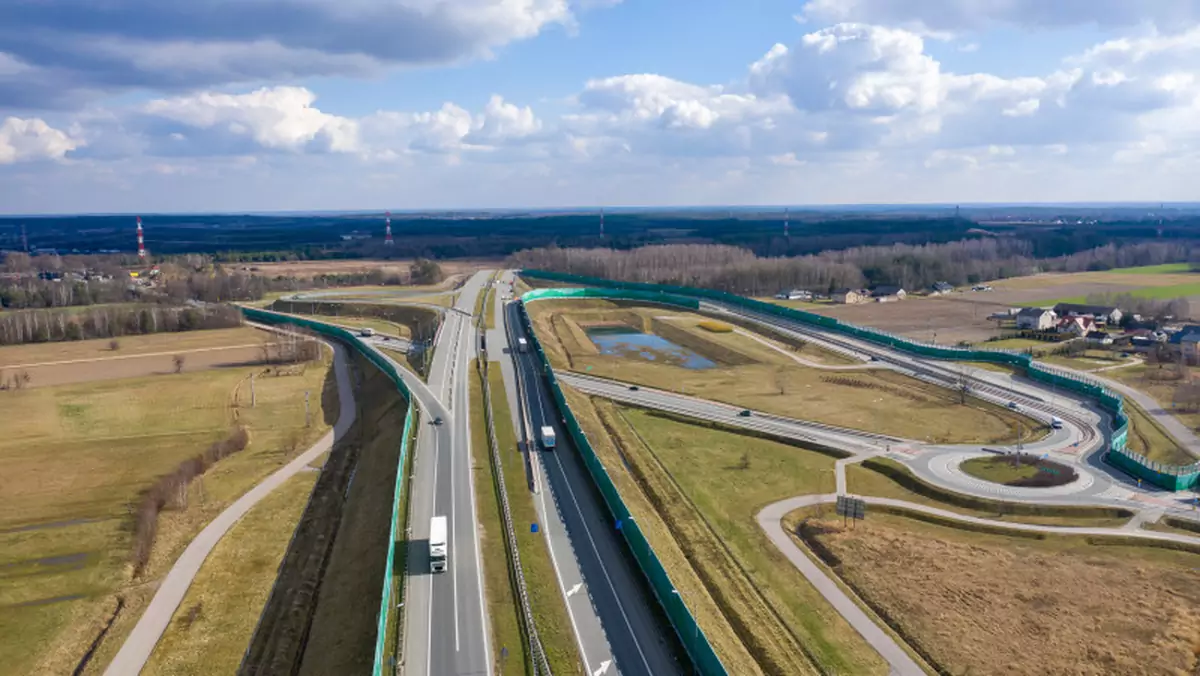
(955, 15)
(33, 139)
(280, 118)
(123, 44)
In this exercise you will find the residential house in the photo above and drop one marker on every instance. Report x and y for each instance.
(1076, 325)
(794, 294)
(1098, 338)
(939, 288)
(1036, 319)
(1106, 314)
(850, 296)
(885, 293)
(1186, 341)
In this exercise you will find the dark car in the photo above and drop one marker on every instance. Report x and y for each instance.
(744, 413)
(437, 420)
(1013, 405)
(634, 388)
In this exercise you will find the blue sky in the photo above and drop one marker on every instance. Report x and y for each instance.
(134, 105)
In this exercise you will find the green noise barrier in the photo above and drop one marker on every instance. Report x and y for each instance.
(1170, 477)
(344, 336)
(694, 641)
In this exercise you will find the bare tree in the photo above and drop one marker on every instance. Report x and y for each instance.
(178, 360)
(114, 344)
(781, 380)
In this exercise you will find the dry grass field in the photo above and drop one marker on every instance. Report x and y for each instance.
(753, 375)
(946, 319)
(77, 457)
(993, 604)
(212, 626)
(313, 268)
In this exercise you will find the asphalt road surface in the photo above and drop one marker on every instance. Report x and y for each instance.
(446, 624)
(622, 631)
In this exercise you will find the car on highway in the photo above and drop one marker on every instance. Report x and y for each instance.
(437, 420)
(634, 388)
(1013, 405)
(744, 413)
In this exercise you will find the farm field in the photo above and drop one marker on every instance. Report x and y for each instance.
(943, 319)
(947, 590)
(1050, 288)
(747, 373)
(77, 459)
(14, 356)
(211, 628)
(358, 265)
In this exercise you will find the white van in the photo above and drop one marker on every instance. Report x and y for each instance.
(438, 549)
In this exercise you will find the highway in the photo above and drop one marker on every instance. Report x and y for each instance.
(617, 624)
(446, 619)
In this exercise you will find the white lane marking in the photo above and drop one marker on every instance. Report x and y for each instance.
(559, 575)
(603, 668)
(575, 590)
(603, 569)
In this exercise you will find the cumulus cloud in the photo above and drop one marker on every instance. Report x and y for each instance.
(32, 139)
(279, 118)
(70, 50)
(958, 15)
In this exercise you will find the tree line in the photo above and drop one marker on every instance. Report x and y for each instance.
(914, 267)
(111, 321)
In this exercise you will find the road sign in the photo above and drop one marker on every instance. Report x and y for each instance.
(851, 508)
(618, 524)
(533, 528)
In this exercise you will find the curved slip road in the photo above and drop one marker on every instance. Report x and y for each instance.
(150, 627)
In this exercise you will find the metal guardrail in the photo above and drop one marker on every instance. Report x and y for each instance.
(516, 572)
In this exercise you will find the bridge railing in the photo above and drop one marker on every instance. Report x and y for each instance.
(1170, 477)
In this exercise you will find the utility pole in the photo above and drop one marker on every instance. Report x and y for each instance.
(306, 409)
(252, 398)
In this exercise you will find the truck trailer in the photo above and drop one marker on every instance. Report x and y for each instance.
(548, 439)
(438, 548)
(522, 345)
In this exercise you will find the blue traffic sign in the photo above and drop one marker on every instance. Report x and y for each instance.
(618, 524)
(533, 528)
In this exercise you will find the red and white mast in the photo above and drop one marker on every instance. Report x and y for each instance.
(387, 238)
(141, 241)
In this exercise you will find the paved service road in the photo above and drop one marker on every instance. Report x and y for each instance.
(621, 604)
(446, 621)
(141, 641)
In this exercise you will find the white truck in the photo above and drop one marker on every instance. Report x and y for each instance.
(522, 345)
(367, 332)
(438, 552)
(1056, 422)
(548, 437)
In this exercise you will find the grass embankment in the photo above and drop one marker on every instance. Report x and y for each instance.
(503, 608)
(947, 590)
(345, 620)
(1163, 268)
(545, 598)
(880, 401)
(77, 458)
(1147, 437)
(211, 628)
(886, 478)
(1160, 381)
(696, 492)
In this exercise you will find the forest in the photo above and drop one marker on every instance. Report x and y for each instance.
(914, 267)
